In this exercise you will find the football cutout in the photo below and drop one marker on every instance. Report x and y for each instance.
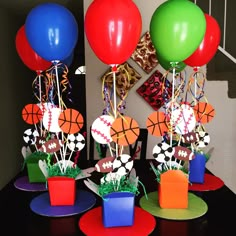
(105, 165)
(53, 145)
(183, 153)
(190, 137)
(40, 141)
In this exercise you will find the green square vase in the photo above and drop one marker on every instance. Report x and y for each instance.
(35, 174)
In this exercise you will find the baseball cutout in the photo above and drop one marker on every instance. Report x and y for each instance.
(46, 106)
(188, 121)
(50, 120)
(100, 129)
(174, 113)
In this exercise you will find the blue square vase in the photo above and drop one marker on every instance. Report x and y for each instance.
(118, 209)
(197, 168)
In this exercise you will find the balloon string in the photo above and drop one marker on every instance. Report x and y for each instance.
(40, 101)
(114, 70)
(198, 83)
(124, 93)
(136, 152)
(195, 89)
(57, 81)
(76, 158)
(172, 109)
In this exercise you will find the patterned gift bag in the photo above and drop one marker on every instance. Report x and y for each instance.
(145, 54)
(126, 78)
(156, 90)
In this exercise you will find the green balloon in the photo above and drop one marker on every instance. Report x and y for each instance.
(177, 28)
(179, 66)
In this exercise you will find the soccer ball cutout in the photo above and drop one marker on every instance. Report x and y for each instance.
(75, 142)
(204, 139)
(100, 129)
(123, 164)
(30, 136)
(163, 152)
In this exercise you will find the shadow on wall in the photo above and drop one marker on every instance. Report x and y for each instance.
(221, 68)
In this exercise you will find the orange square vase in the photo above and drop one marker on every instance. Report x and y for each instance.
(62, 190)
(173, 189)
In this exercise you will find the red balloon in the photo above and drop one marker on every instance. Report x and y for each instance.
(113, 29)
(209, 45)
(29, 57)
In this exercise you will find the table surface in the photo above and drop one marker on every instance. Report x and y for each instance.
(17, 216)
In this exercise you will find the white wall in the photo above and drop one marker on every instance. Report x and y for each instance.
(221, 128)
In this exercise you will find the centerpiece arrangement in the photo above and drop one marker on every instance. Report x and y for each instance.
(113, 129)
(55, 142)
(119, 184)
(180, 121)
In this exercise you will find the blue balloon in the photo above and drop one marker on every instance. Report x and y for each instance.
(52, 31)
(68, 61)
(65, 63)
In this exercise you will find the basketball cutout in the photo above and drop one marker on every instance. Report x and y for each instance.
(32, 114)
(70, 121)
(124, 131)
(157, 123)
(204, 112)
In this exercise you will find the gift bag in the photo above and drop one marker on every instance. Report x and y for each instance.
(156, 90)
(126, 78)
(145, 54)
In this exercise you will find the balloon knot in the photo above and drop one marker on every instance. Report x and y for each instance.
(114, 68)
(173, 64)
(55, 62)
(38, 72)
